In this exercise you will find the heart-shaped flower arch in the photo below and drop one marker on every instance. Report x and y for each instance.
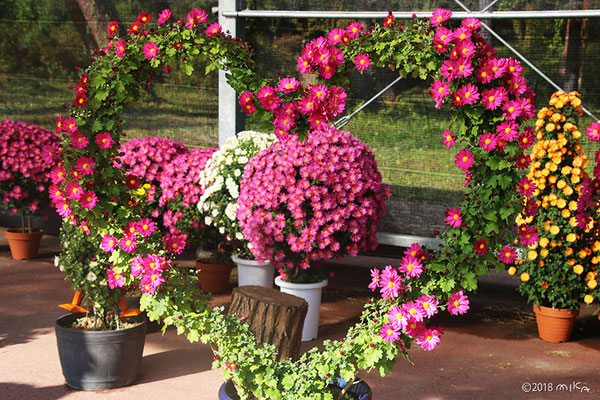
(489, 98)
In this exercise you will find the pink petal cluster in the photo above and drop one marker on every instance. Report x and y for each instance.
(314, 199)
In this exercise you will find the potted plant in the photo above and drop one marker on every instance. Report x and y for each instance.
(558, 269)
(305, 201)
(28, 153)
(220, 182)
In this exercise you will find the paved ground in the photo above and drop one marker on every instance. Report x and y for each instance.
(490, 353)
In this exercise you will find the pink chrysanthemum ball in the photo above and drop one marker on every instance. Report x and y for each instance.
(309, 200)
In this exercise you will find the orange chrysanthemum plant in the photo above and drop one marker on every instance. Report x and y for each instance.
(559, 265)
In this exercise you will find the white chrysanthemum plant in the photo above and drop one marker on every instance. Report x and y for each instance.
(220, 181)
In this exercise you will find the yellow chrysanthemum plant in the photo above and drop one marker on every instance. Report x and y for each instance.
(558, 266)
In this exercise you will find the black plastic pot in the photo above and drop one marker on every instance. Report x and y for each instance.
(99, 360)
(358, 391)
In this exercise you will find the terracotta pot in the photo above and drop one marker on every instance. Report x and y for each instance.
(23, 245)
(214, 278)
(554, 324)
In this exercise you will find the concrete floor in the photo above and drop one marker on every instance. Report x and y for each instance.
(490, 353)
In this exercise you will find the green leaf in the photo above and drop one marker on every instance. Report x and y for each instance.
(447, 284)
(96, 126)
(490, 215)
(372, 355)
(101, 94)
(187, 68)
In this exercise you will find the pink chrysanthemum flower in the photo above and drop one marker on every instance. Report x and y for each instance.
(335, 36)
(461, 35)
(471, 23)
(414, 310)
(583, 219)
(196, 16)
(411, 266)
(120, 47)
(443, 36)
(85, 165)
(512, 110)
(458, 303)
(88, 199)
(453, 217)
(526, 187)
(413, 250)
(115, 279)
(522, 161)
(63, 209)
(488, 141)
(144, 18)
(213, 29)
(128, 243)
(528, 235)
(398, 318)
(414, 328)
(134, 28)
(448, 138)
(463, 67)
(493, 98)
(70, 125)
(593, 131)
(465, 49)
(468, 93)
(57, 174)
(374, 279)
(266, 96)
(388, 333)
(174, 243)
(390, 283)
(526, 138)
(362, 62)
(464, 159)
(440, 16)
(137, 266)
(78, 140)
(104, 140)
(518, 85)
(307, 105)
(288, 85)
(497, 66)
(428, 304)
(113, 28)
(108, 243)
(353, 30)
(484, 75)
(429, 339)
(84, 228)
(246, 102)
(448, 70)
(150, 50)
(439, 91)
(164, 16)
(507, 255)
(146, 227)
(481, 246)
(151, 282)
(73, 191)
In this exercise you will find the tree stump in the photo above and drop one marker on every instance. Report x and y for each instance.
(274, 317)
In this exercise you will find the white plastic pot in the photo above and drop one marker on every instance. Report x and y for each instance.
(311, 292)
(251, 272)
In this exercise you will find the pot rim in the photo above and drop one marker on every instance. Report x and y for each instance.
(246, 261)
(60, 321)
(302, 286)
(17, 231)
(555, 312)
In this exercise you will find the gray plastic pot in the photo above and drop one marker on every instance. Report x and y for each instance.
(99, 360)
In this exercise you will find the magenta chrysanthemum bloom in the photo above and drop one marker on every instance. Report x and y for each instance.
(413, 250)
(70, 125)
(246, 102)
(120, 47)
(414, 311)
(390, 283)
(440, 16)
(443, 36)
(115, 279)
(461, 35)
(458, 303)
(108, 243)
(512, 110)
(88, 199)
(152, 264)
(85, 228)
(79, 141)
(146, 227)
(493, 98)
(134, 28)
(508, 130)
(415, 328)
(104, 140)
(448, 138)
(266, 96)
(73, 191)
(429, 339)
(398, 318)
(63, 209)
(389, 20)
(526, 187)
(464, 159)
(150, 50)
(137, 266)
(488, 141)
(174, 243)
(335, 36)
(507, 255)
(57, 174)
(389, 334)
(151, 282)
(528, 235)
(522, 161)
(481, 246)
(213, 29)
(583, 219)
(465, 49)
(84, 165)
(196, 16)
(362, 62)
(353, 30)
(468, 93)
(448, 70)
(128, 243)
(463, 68)
(113, 28)
(439, 91)
(428, 304)
(374, 279)
(288, 85)
(164, 16)
(143, 18)
(526, 138)
(411, 266)
(453, 217)
(471, 23)
(593, 131)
